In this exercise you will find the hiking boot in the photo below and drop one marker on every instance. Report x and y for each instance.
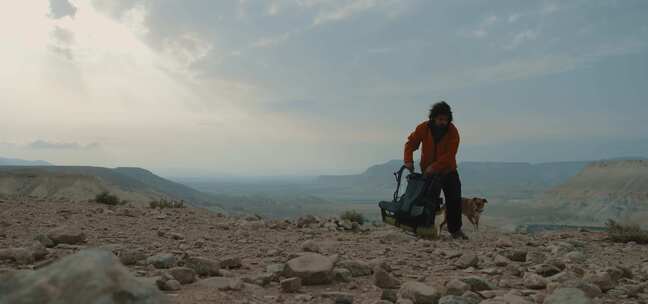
(459, 235)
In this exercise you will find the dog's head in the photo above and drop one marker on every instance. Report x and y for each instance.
(479, 203)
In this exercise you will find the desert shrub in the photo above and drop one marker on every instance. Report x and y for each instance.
(624, 233)
(353, 216)
(108, 199)
(163, 203)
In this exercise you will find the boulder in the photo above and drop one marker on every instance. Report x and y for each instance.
(90, 276)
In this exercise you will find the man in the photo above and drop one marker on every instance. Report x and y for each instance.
(440, 140)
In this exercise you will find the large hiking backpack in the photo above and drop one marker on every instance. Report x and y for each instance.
(415, 210)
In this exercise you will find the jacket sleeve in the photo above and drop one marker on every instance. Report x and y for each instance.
(412, 144)
(445, 160)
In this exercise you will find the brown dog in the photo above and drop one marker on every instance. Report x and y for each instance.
(472, 208)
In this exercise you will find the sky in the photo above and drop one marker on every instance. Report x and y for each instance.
(282, 87)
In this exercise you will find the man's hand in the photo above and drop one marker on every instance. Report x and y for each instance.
(410, 166)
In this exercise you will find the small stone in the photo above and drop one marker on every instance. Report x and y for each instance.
(342, 275)
(231, 262)
(43, 239)
(534, 281)
(67, 235)
(339, 297)
(457, 287)
(183, 275)
(567, 296)
(419, 293)
(131, 257)
(601, 279)
(383, 279)
(515, 255)
(163, 260)
(169, 285)
(357, 268)
(311, 246)
(203, 266)
(290, 285)
(467, 260)
(390, 295)
(477, 283)
(453, 300)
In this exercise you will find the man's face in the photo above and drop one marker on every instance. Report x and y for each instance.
(441, 121)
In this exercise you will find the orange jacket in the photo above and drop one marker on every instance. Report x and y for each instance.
(442, 157)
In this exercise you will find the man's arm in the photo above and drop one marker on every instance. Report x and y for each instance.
(412, 144)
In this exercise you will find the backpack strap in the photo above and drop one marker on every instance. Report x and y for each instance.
(399, 175)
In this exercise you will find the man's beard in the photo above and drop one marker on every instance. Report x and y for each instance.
(438, 131)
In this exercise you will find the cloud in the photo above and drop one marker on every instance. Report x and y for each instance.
(48, 145)
(61, 8)
(482, 30)
(521, 38)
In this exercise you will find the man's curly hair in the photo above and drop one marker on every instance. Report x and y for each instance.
(440, 108)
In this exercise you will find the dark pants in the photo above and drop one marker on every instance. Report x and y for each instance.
(451, 186)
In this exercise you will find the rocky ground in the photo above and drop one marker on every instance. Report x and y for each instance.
(194, 256)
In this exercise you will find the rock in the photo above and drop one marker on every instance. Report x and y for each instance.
(339, 297)
(390, 295)
(176, 236)
(601, 279)
(591, 290)
(131, 257)
(383, 279)
(90, 276)
(67, 235)
(342, 275)
(290, 285)
(575, 257)
(162, 261)
(567, 296)
(168, 285)
(305, 221)
(183, 275)
(477, 283)
(357, 268)
(503, 243)
(534, 281)
(203, 266)
(43, 239)
(221, 283)
(419, 293)
(472, 297)
(501, 260)
(260, 279)
(311, 268)
(467, 260)
(545, 270)
(536, 257)
(231, 262)
(404, 301)
(276, 270)
(507, 299)
(457, 287)
(515, 255)
(311, 246)
(453, 300)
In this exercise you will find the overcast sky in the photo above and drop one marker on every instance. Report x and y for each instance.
(269, 87)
